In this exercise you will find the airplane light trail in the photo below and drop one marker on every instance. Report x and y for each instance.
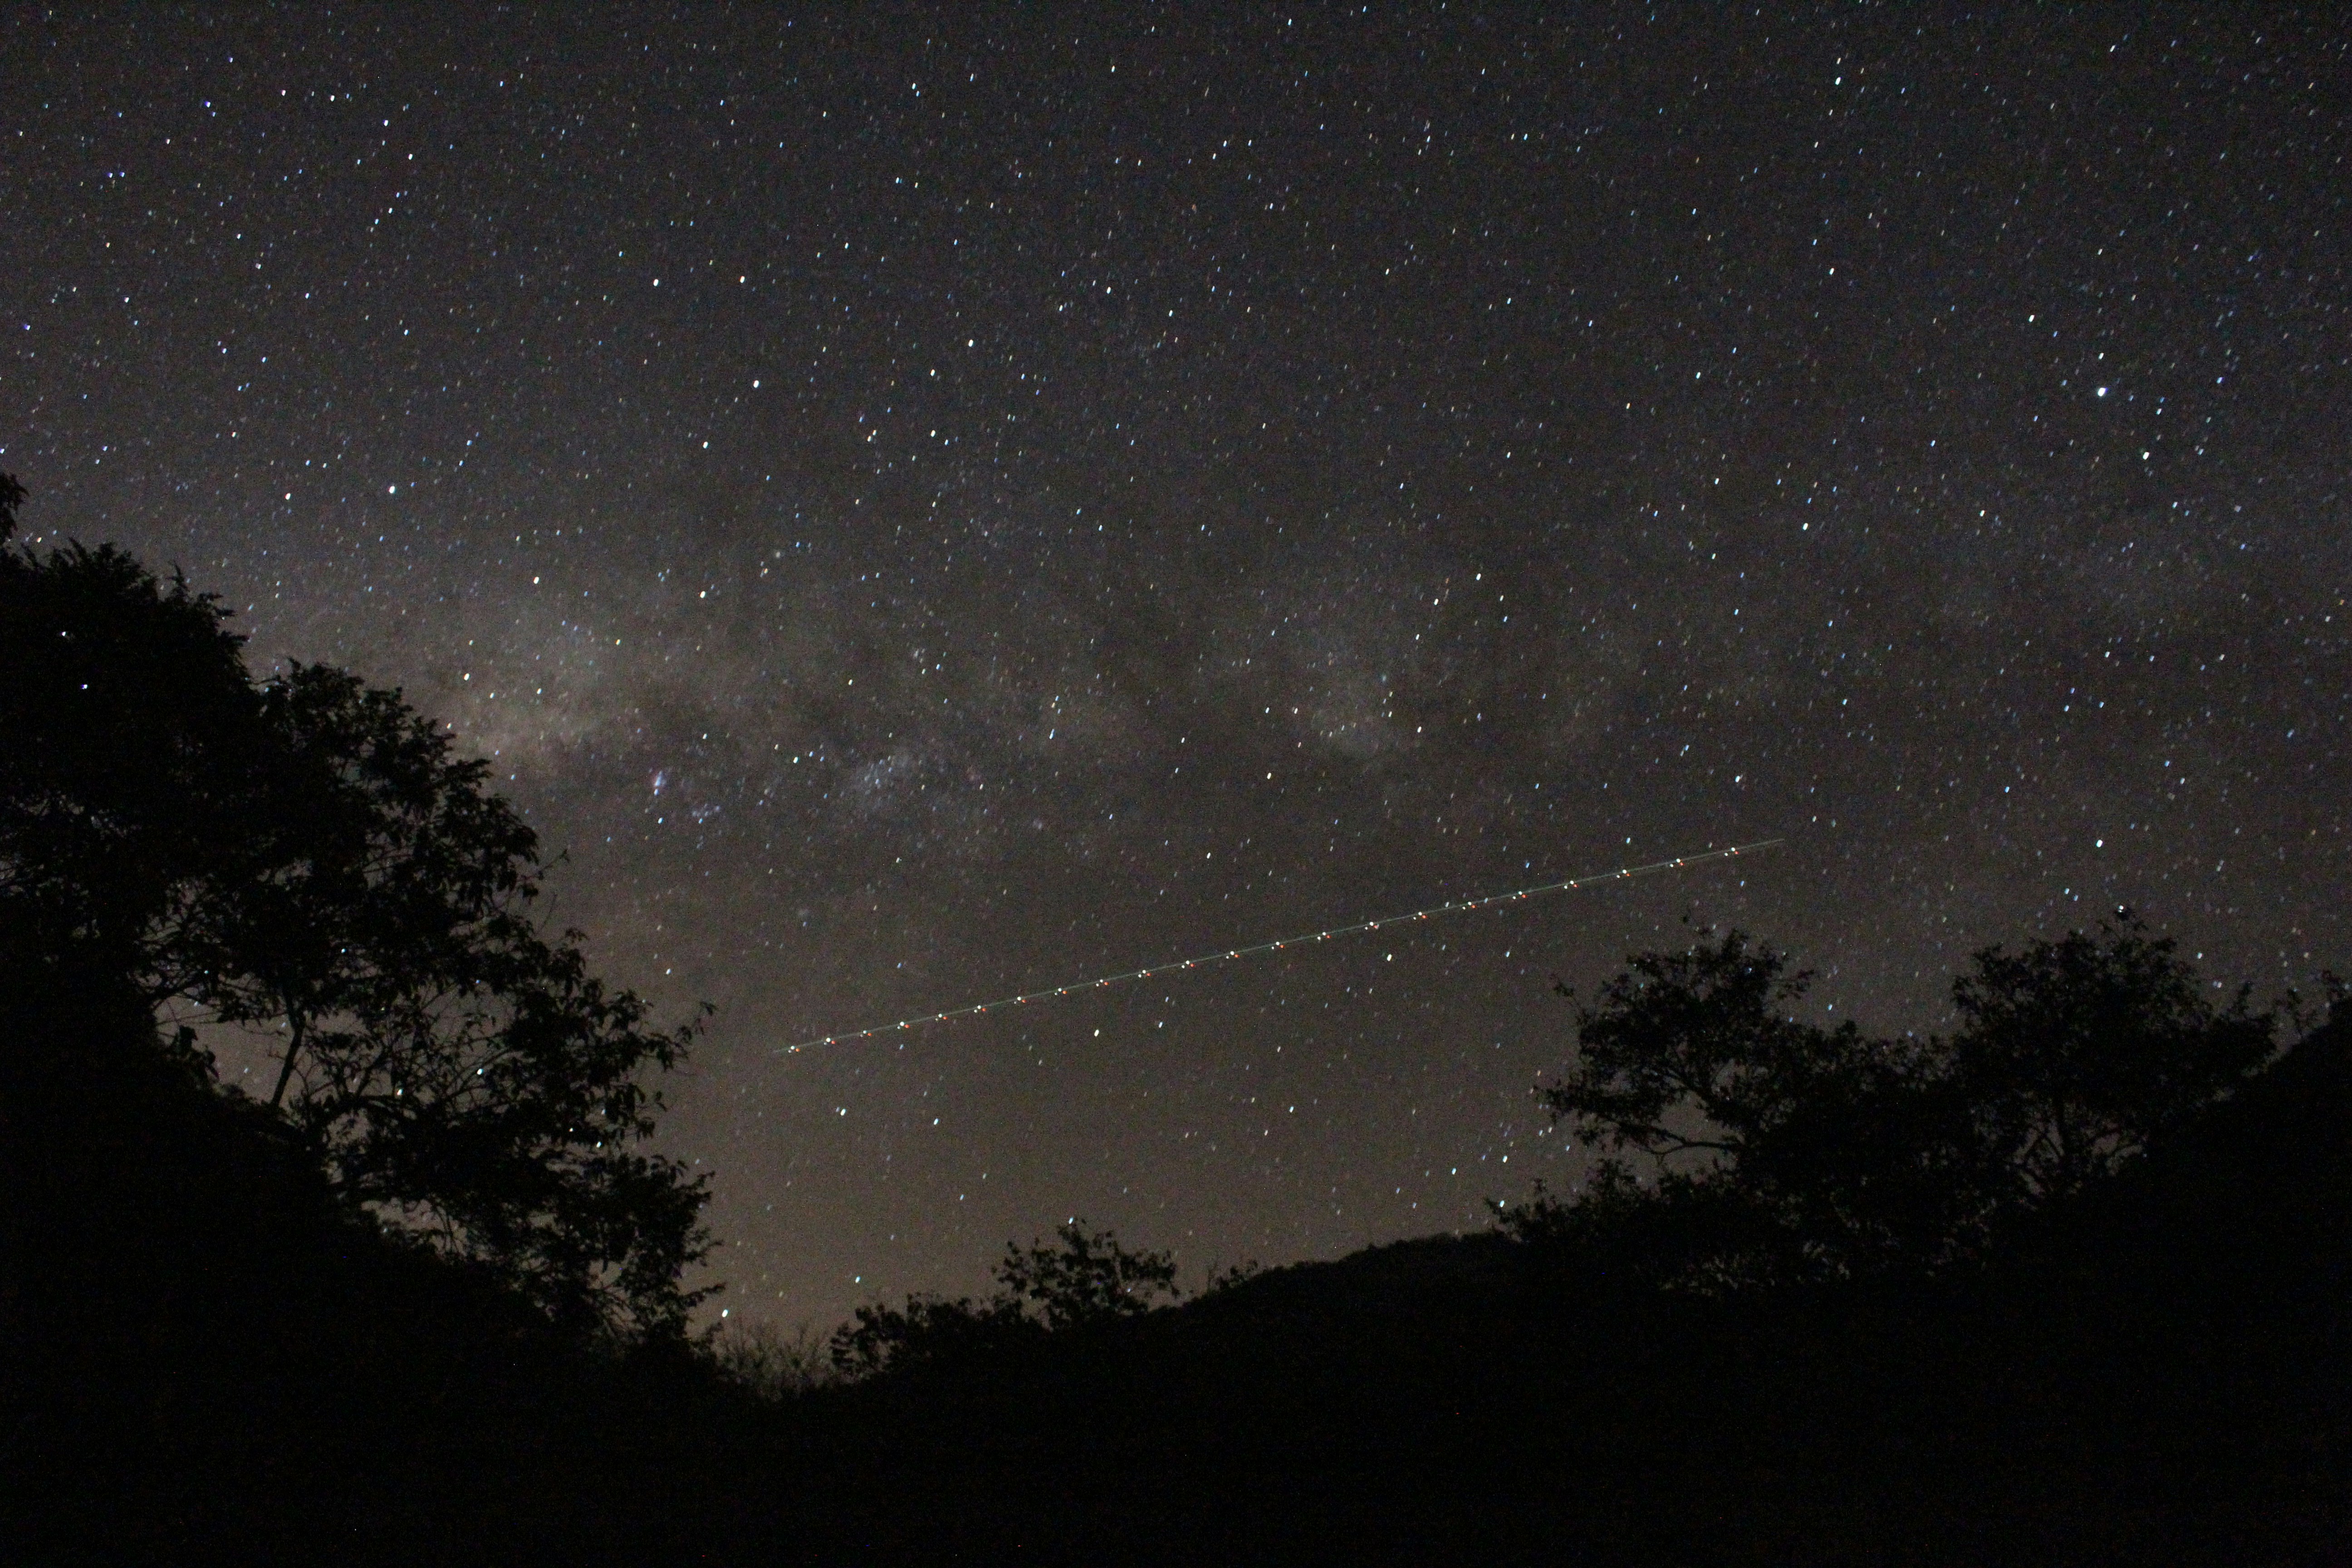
(1228, 954)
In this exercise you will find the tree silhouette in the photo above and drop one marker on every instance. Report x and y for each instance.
(1087, 1279)
(1082, 1279)
(929, 1329)
(130, 734)
(771, 1362)
(1777, 1147)
(456, 1067)
(381, 868)
(1778, 1144)
(309, 853)
(2074, 1054)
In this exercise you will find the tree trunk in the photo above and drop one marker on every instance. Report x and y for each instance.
(293, 1049)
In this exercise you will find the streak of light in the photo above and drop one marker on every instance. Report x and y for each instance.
(1228, 955)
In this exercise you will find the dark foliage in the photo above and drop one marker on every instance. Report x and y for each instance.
(124, 706)
(2074, 1055)
(309, 854)
(1780, 1149)
(1086, 1281)
(929, 1327)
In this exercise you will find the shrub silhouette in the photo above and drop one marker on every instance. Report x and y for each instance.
(772, 1363)
(1083, 1280)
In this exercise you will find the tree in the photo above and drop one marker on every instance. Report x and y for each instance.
(1086, 1279)
(382, 868)
(311, 855)
(2075, 1055)
(1779, 1148)
(930, 1329)
(1779, 1144)
(130, 729)
(456, 1067)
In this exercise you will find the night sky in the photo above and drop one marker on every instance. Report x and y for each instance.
(920, 505)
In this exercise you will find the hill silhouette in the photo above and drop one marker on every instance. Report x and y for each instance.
(2156, 1373)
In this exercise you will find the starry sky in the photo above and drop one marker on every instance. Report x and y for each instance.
(920, 504)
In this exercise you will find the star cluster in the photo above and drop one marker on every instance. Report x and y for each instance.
(922, 506)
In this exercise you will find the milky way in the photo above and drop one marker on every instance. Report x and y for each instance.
(922, 505)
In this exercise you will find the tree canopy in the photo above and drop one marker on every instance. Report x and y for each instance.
(2073, 1054)
(1769, 1145)
(1081, 1278)
(308, 854)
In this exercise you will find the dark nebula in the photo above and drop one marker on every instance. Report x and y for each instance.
(922, 505)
